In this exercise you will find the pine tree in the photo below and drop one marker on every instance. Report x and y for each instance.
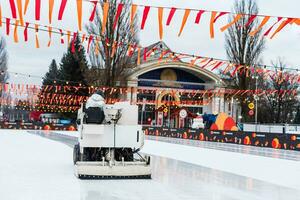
(52, 74)
(73, 66)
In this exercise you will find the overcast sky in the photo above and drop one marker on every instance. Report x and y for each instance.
(25, 58)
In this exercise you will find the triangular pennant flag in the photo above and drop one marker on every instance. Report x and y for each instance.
(235, 20)
(37, 10)
(20, 11)
(37, 44)
(68, 37)
(92, 17)
(26, 32)
(132, 16)
(114, 48)
(105, 14)
(220, 15)
(219, 64)
(0, 16)
(212, 21)
(264, 21)
(160, 25)
(62, 41)
(73, 42)
(51, 5)
(7, 26)
(119, 11)
(13, 8)
(139, 56)
(185, 17)
(62, 9)
(16, 39)
(269, 30)
(282, 25)
(145, 15)
(26, 6)
(250, 20)
(171, 14)
(79, 13)
(50, 35)
(199, 15)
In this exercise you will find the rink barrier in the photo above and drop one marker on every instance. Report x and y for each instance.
(259, 139)
(37, 126)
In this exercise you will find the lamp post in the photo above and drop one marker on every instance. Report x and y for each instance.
(256, 98)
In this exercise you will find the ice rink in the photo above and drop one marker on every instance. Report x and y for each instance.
(34, 167)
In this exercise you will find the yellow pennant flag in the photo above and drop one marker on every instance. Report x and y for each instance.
(50, 35)
(51, 4)
(132, 15)
(16, 39)
(235, 20)
(79, 13)
(212, 19)
(20, 11)
(37, 44)
(105, 14)
(185, 17)
(26, 6)
(160, 24)
(264, 21)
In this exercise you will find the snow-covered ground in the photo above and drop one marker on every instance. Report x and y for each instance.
(33, 167)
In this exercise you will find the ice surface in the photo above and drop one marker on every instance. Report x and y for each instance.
(33, 167)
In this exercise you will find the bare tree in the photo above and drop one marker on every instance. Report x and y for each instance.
(243, 49)
(281, 105)
(108, 60)
(3, 60)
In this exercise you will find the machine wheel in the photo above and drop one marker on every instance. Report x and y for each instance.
(76, 153)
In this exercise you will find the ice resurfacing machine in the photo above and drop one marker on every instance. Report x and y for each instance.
(109, 141)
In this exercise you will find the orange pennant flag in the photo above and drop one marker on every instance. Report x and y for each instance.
(20, 11)
(264, 21)
(50, 35)
(160, 18)
(26, 6)
(282, 25)
(185, 17)
(37, 44)
(132, 15)
(235, 20)
(16, 39)
(114, 48)
(297, 21)
(0, 16)
(105, 14)
(51, 4)
(79, 13)
(212, 19)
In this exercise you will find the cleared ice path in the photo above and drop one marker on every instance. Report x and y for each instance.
(33, 167)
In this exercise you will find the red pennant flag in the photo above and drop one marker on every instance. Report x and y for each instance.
(62, 9)
(92, 17)
(145, 15)
(37, 9)
(220, 15)
(145, 53)
(170, 17)
(89, 43)
(119, 11)
(198, 17)
(61, 36)
(251, 19)
(26, 32)
(217, 65)
(13, 8)
(282, 25)
(7, 26)
(269, 30)
(73, 42)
